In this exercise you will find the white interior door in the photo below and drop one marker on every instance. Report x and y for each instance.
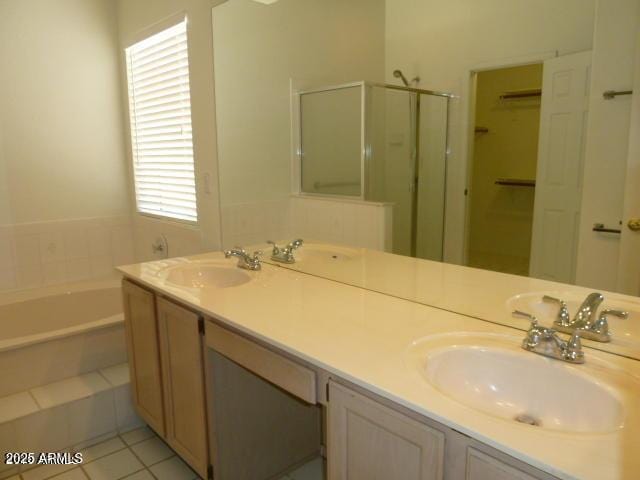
(563, 120)
(629, 262)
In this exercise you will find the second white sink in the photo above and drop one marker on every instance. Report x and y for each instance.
(491, 374)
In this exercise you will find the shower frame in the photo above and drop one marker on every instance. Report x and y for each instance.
(365, 141)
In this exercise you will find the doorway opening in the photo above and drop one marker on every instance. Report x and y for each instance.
(503, 168)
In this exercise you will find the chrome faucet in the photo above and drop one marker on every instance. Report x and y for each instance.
(545, 341)
(245, 260)
(586, 319)
(285, 254)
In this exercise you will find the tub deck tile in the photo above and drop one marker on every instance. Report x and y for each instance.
(69, 390)
(117, 375)
(16, 406)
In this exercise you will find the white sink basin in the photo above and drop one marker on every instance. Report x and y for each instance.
(205, 275)
(491, 374)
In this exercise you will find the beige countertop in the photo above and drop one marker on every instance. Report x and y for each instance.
(364, 337)
(475, 292)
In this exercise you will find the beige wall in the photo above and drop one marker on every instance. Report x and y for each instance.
(137, 19)
(259, 50)
(440, 40)
(501, 217)
(61, 152)
(5, 199)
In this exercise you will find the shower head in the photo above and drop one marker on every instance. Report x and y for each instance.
(399, 74)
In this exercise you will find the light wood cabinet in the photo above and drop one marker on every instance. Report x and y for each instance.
(144, 354)
(369, 440)
(481, 466)
(166, 366)
(286, 374)
(183, 383)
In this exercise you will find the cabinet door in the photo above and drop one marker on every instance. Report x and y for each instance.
(481, 466)
(144, 357)
(369, 440)
(183, 380)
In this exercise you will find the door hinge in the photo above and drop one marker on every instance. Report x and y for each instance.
(327, 391)
(201, 325)
(210, 472)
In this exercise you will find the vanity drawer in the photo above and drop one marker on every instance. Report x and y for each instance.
(286, 374)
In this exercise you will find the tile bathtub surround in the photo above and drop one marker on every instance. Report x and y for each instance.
(73, 411)
(253, 223)
(344, 222)
(49, 253)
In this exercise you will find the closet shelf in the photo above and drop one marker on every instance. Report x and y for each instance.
(516, 182)
(529, 93)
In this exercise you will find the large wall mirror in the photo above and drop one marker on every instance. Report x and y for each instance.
(487, 134)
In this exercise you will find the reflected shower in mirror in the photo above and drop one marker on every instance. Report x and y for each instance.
(381, 143)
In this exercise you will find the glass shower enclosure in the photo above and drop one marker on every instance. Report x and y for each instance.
(381, 143)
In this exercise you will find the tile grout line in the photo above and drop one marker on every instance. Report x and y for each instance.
(148, 467)
(82, 464)
(125, 446)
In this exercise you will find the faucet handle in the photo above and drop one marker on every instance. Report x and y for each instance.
(563, 318)
(601, 326)
(527, 316)
(573, 348)
(615, 313)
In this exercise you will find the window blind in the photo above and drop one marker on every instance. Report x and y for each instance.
(161, 137)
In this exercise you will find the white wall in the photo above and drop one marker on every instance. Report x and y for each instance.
(440, 40)
(136, 20)
(605, 169)
(62, 153)
(64, 201)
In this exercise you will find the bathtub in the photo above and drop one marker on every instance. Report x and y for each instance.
(57, 332)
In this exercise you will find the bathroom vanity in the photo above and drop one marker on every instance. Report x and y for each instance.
(248, 374)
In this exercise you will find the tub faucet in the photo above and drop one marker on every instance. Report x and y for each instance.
(545, 341)
(245, 260)
(285, 254)
(586, 320)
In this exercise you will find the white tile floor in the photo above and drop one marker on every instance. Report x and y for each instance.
(135, 455)
(139, 455)
(313, 470)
